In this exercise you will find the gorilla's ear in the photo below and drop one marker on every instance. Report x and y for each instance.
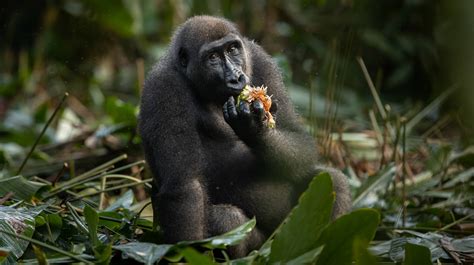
(183, 57)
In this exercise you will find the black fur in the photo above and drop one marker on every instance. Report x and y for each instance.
(213, 172)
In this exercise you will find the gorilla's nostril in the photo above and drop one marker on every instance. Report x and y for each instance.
(241, 78)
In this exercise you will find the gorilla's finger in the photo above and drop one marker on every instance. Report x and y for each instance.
(225, 112)
(232, 111)
(274, 107)
(258, 110)
(244, 108)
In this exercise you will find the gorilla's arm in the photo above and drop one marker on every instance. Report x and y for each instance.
(173, 150)
(288, 148)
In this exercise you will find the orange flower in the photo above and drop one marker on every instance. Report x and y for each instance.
(250, 94)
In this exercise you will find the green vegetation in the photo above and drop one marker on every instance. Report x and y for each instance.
(385, 86)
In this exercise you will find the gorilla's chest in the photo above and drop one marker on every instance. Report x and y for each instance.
(227, 157)
(213, 129)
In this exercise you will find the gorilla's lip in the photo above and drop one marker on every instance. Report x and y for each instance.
(235, 91)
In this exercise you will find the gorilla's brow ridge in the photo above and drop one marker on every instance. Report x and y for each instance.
(229, 38)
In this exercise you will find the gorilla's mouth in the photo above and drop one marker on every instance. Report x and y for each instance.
(235, 91)
(235, 82)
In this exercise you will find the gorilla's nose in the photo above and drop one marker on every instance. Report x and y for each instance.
(237, 81)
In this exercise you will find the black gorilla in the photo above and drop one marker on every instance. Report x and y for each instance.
(216, 164)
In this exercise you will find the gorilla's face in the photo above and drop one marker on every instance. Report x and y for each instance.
(220, 69)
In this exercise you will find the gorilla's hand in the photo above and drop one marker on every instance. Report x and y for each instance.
(247, 119)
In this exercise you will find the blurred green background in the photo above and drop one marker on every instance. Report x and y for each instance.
(100, 51)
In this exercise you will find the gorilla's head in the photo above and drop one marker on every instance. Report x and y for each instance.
(211, 54)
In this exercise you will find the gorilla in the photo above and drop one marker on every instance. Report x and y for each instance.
(215, 164)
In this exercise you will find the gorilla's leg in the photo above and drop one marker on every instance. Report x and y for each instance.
(342, 204)
(154, 204)
(181, 211)
(222, 218)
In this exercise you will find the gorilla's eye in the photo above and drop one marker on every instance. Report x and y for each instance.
(213, 57)
(233, 49)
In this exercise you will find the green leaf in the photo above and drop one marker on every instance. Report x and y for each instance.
(145, 224)
(143, 252)
(417, 255)
(103, 253)
(40, 256)
(307, 258)
(194, 257)
(111, 220)
(339, 237)
(92, 220)
(361, 254)
(16, 222)
(231, 238)
(55, 223)
(302, 228)
(22, 188)
(120, 111)
(49, 225)
(250, 259)
(112, 16)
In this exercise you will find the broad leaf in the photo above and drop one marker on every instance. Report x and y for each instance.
(194, 257)
(307, 258)
(22, 188)
(301, 230)
(362, 255)
(339, 237)
(19, 222)
(417, 255)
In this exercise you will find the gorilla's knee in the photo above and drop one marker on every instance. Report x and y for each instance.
(223, 218)
(342, 204)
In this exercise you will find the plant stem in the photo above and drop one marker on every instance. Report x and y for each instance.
(42, 133)
(403, 121)
(114, 188)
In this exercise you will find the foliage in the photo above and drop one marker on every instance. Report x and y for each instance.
(69, 227)
(384, 86)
